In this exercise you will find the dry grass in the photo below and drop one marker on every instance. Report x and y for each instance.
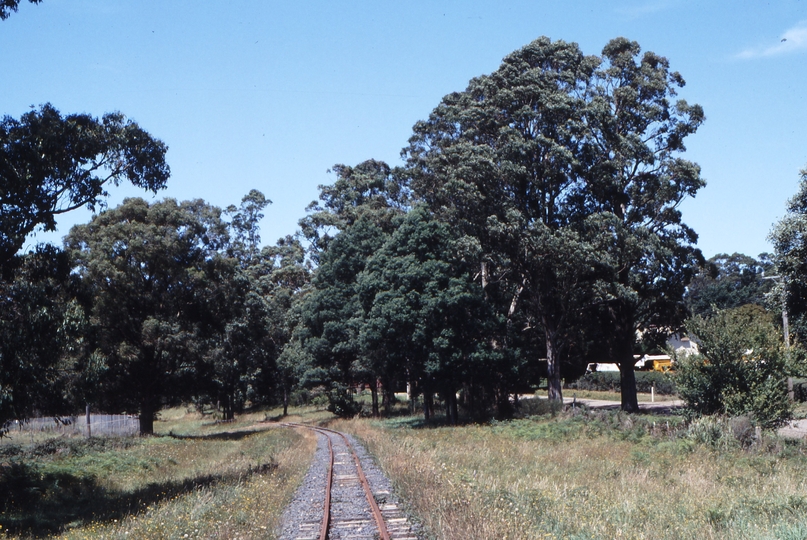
(206, 480)
(601, 475)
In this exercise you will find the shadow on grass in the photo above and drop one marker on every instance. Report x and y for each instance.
(221, 436)
(37, 504)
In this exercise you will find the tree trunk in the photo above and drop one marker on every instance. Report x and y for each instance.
(389, 397)
(451, 406)
(470, 401)
(630, 402)
(553, 370)
(428, 403)
(624, 355)
(374, 394)
(146, 416)
(229, 410)
(285, 401)
(411, 395)
(504, 408)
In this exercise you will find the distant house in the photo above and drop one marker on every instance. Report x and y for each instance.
(681, 344)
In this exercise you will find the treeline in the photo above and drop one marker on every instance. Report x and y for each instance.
(533, 227)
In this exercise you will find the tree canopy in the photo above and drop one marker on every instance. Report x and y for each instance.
(148, 269)
(564, 170)
(51, 164)
(789, 237)
(533, 227)
(729, 281)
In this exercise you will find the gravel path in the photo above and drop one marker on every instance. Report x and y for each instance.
(303, 517)
(351, 516)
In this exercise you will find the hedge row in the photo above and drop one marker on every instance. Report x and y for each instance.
(608, 381)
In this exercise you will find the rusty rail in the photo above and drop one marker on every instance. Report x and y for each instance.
(379, 518)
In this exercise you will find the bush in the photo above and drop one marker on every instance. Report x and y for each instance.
(537, 406)
(743, 367)
(341, 402)
(609, 381)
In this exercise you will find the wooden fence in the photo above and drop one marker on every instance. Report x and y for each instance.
(101, 425)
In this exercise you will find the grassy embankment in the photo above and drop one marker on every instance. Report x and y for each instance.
(573, 475)
(195, 478)
(593, 475)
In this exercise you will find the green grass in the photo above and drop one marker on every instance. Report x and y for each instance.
(593, 475)
(195, 478)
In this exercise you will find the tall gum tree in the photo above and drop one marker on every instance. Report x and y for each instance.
(501, 161)
(789, 238)
(635, 181)
(349, 223)
(564, 169)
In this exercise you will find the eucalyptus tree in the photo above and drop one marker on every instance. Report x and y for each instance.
(245, 238)
(239, 354)
(284, 280)
(148, 268)
(635, 182)
(729, 281)
(8, 6)
(370, 189)
(789, 237)
(565, 170)
(51, 164)
(40, 335)
(501, 161)
(352, 220)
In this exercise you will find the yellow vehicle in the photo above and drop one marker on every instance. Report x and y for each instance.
(661, 362)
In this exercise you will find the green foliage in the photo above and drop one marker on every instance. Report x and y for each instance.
(50, 164)
(7, 6)
(422, 313)
(151, 274)
(563, 171)
(341, 402)
(729, 281)
(609, 381)
(742, 367)
(789, 238)
(41, 331)
(370, 190)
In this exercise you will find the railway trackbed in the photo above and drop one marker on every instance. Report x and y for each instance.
(337, 499)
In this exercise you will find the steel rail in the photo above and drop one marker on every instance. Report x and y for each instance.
(379, 518)
(326, 510)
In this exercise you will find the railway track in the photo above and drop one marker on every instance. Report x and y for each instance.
(350, 508)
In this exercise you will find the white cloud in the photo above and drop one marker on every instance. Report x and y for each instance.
(794, 39)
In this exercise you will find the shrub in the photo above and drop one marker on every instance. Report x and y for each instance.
(341, 402)
(609, 381)
(742, 369)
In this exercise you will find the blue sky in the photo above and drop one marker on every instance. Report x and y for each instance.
(270, 95)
